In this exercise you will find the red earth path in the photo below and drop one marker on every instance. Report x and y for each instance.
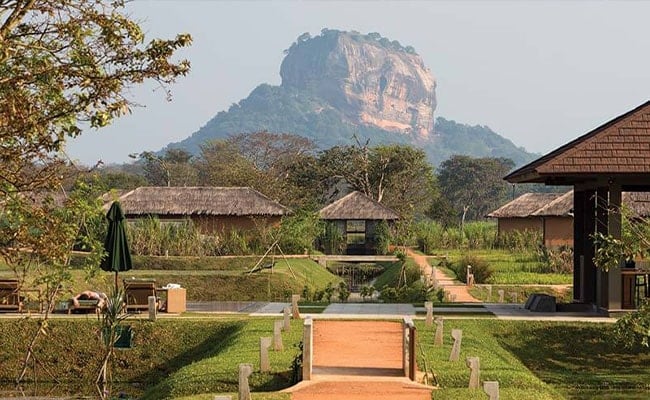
(358, 360)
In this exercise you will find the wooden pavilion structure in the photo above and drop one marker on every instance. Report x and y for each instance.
(356, 216)
(600, 165)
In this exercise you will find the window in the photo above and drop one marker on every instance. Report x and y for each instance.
(355, 232)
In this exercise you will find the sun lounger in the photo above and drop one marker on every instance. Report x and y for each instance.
(137, 292)
(85, 306)
(10, 296)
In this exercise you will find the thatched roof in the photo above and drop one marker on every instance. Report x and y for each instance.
(562, 206)
(357, 205)
(524, 205)
(231, 201)
(638, 203)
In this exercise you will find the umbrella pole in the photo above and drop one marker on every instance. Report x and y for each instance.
(115, 281)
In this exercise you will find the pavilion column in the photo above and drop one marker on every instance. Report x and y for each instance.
(614, 220)
(579, 246)
(601, 222)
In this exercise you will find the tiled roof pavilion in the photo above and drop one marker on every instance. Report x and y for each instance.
(619, 149)
(612, 158)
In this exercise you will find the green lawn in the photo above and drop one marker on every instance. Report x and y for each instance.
(563, 295)
(170, 358)
(538, 360)
(223, 283)
(509, 267)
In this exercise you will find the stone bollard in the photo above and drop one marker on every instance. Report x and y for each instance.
(457, 335)
(469, 277)
(152, 308)
(437, 339)
(287, 319)
(491, 388)
(474, 372)
(501, 294)
(429, 307)
(245, 370)
(265, 364)
(514, 296)
(489, 294)
(277, 335)
(294, 306)
(307, 349)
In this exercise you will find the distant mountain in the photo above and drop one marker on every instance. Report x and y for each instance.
(339, 84)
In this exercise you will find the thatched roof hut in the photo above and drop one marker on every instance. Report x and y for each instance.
(222, 201)
(524, 205)
(638, 203)
(357, 206)
(562, 206)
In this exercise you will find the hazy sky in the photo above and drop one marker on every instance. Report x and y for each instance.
(537, 73)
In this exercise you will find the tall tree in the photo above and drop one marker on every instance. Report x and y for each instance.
(474, 186)
(174, 168)
(275, 164)
(397, 175)
(64, 65)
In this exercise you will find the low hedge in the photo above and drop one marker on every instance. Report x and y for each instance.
(175, 263)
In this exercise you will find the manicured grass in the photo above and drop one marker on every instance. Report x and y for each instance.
(170, 357)
(279, 283)
(509, 267)
(217, 372)
(537, 360)
(480, 292)
(390, 276)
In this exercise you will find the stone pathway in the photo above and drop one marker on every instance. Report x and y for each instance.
(356, 360)
(446, 282)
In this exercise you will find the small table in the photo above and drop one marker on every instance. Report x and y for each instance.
(173, 300)
(629, 277)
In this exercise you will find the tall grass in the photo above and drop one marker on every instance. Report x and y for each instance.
(151, 236)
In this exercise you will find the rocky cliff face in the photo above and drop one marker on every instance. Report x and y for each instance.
(372, 80)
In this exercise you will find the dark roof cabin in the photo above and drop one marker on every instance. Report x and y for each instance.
(212, 209)
(356, 217)
(600, 165)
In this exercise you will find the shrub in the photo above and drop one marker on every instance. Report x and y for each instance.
(299, 232)
(632, 331)
(480, 268)
(331, 241)
(521, 241)
(558, 260)
(382, 237)
(480, 235)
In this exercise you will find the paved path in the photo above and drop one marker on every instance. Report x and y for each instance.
(460, 293)
(356, 360)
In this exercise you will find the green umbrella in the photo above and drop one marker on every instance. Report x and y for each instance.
(117, 256)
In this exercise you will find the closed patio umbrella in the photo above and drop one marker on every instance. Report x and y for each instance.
(117, 256)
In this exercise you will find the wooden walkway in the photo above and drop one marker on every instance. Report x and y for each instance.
(358, 360)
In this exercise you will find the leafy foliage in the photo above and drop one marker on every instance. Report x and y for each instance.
(480, 268)
(474, 186)
(632, 331)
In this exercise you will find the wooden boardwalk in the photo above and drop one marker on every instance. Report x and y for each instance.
(355, 360)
